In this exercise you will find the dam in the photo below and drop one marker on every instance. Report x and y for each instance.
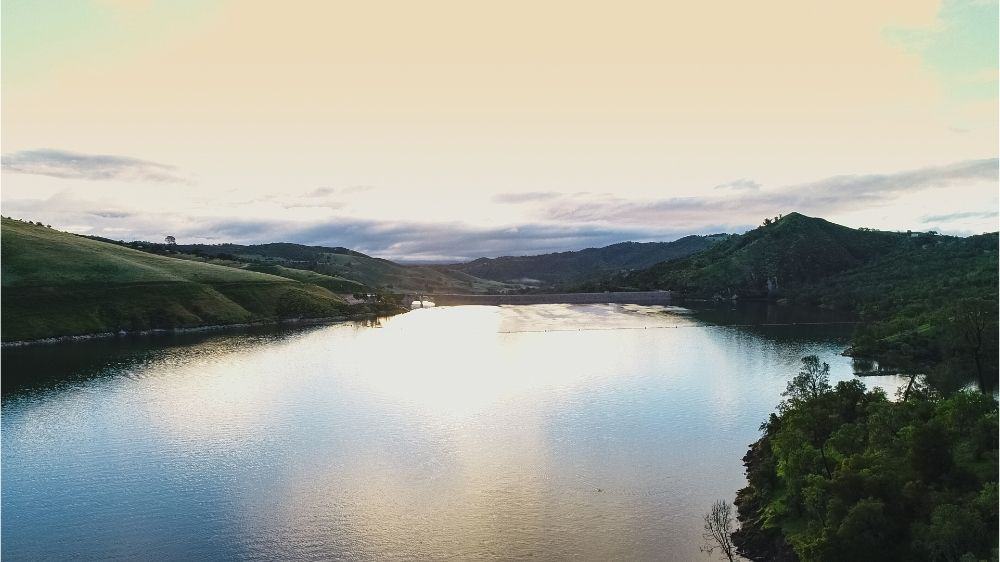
(622, 297)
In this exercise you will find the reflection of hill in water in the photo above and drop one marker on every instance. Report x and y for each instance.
(778, 322)
(432, 428)
(41, 367)
(60, 365)
(760, 312)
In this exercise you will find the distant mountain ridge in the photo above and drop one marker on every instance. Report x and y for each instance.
(377, 273)
(574, 266)
(286, 250)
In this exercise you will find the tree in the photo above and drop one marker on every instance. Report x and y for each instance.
(719, 530)
(977, 340)
(911, 480)
(170, 240)
(812, 381)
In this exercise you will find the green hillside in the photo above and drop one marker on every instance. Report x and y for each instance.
(568, 267)
(913, 291)
(57, 284)
(792, 252)
(347, 264)
(333, 283)
(917, 303)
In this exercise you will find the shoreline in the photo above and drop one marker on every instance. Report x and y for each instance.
(192, 329)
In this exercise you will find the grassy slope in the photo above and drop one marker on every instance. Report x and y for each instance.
(57, 284)
(339, 262)
(564, 267)
(333, 283)
(386, 274)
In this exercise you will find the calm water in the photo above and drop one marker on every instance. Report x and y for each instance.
(546, 431)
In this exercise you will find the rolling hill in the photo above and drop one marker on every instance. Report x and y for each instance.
(60, 284)
(569, 267)
(347, 264)
(332, 283)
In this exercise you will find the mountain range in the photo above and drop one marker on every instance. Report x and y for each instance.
(57, 284)
(580, 265)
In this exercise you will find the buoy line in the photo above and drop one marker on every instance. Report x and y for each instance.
(612, 328)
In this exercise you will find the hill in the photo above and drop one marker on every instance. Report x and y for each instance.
(333, 283)
(59, 284)
(913, 291)
(276, 250)
(794, 251)
(569, 267)
(339, 262)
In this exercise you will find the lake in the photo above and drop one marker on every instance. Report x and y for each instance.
(546, 431)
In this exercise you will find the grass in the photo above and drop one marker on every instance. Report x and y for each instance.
(59, 284)
(384, 274)
(333, 283)
(375, 273)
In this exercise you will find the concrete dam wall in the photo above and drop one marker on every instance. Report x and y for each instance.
(637, 297)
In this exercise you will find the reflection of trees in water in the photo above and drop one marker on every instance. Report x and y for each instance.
(864, 366)
(373, 322)
(765, 312)
(959, 350)
(778, 323)
(52, 366)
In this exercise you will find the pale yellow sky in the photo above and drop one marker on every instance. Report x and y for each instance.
(392, 115)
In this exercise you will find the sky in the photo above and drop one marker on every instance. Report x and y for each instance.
(442, 131)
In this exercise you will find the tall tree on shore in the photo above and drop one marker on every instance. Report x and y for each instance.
(978, 341)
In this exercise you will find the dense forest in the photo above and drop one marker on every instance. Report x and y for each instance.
(842, 473)
(927, 303)
(557, 269)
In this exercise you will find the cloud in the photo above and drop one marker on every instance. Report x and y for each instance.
(959, 216)
(840, 189)
(328, 191)
(823, 197)
(524, 197)
(357, 189)
(740, 185)
(412, 241)
(93, 167)
(559, 223)
(322, 192)
(111, 214)
(439, 242)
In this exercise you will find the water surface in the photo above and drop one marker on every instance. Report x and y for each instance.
(545, 431)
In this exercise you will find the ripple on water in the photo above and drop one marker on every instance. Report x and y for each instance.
(438, 435)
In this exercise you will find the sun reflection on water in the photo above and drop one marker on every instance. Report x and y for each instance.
(464, 432)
